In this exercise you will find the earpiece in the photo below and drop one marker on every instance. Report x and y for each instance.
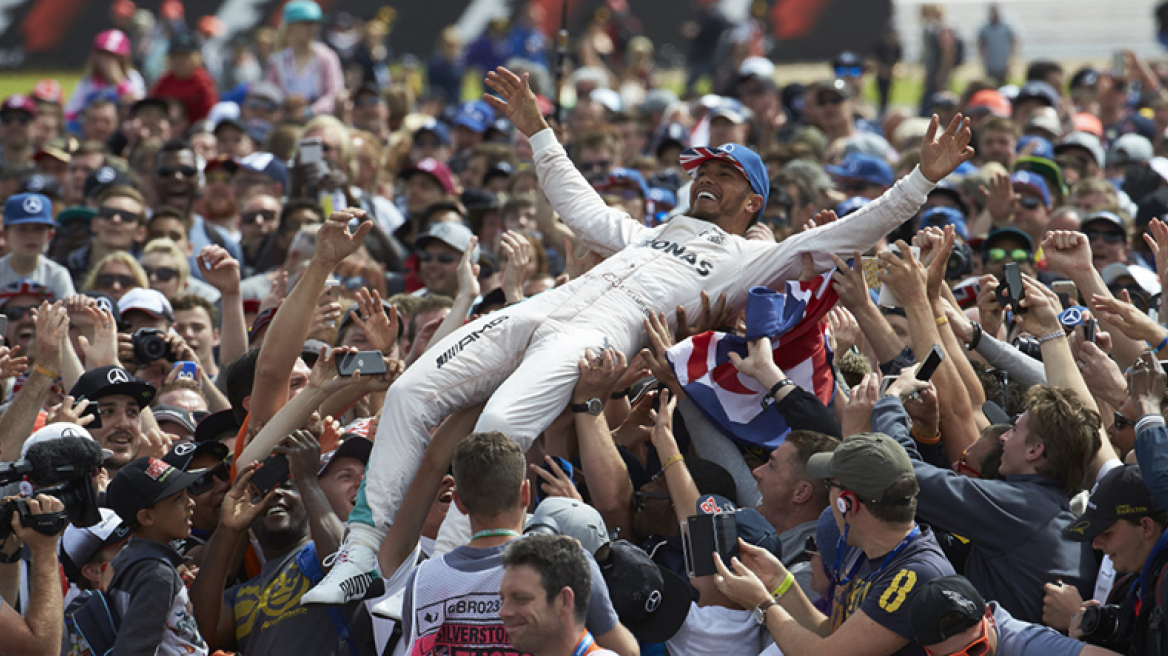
(844, 502)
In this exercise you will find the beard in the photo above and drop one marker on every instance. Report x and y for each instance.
(221, 206)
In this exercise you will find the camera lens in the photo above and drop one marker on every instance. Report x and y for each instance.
(149, 346)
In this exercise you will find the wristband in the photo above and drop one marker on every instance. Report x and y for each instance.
(923, 438)
(1160, 347)
(7, 559)
(621, 394)
(780, 385)
(976, 339)
(1055, 335)
(783, 587)
(670, 461)
(46, 372)
(941, 321)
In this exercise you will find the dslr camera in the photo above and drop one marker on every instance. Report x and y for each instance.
(1108, 626)
(150, 345)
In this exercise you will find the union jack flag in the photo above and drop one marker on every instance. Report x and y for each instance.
(733, 401)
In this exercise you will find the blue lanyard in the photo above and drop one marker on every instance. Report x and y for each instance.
(584, 645)
(842, 545)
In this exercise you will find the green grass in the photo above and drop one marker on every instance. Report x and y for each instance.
(11, 83)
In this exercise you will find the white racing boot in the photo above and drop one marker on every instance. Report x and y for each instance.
(354, 567)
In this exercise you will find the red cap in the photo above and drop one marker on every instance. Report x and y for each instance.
(992, 100)
(210, 25)
(112, 41)
(47, 90)
(123, 9)
(171, 10)
(437, 169)
(1085, 122)
(19, 103)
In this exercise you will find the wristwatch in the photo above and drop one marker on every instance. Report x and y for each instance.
(592, 406)
(760, 610)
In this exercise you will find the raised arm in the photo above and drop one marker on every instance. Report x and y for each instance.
(221, 271)
(603, 229)
(52, 336)
(604, 469)
(848, 282)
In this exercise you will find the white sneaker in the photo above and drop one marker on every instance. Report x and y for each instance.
(354, 567)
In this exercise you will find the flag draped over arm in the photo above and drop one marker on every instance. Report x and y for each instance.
(733, 401)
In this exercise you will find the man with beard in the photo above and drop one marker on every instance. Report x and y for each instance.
(259, 218)
(218, 204)
(116, 400)
(176, 183)
(296, 529)
(209, 460)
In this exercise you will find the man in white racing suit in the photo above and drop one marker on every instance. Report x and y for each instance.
(524, 358)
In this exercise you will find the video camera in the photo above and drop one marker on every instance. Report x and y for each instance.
(62, 468)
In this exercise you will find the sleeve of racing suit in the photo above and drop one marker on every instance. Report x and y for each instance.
(769, 264)
(603, 229)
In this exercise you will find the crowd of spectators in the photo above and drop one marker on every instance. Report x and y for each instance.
(249, 274)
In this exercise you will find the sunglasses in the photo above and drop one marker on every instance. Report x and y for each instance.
(162, 274)
(16, 117)
(182, 171)
(126, 216)
(17, 313)
(1016, 255)
(1108, 236)
(1029, 202)
(640, 497)
(108, 280)
(443, 258)
(963, 466)
(206, 481)
(261, 105)
(259, 216)
(1122, 422)
(979, 647)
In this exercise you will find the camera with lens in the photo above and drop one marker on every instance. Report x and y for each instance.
(1107, 626)
(150, 345)
(61, 468)
(1029, 347)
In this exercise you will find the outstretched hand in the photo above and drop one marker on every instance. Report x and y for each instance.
(941, 155)
(518, 102)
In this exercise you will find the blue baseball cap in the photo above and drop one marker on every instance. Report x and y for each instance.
(943, 216)
(435, 127)
(1032, 182)
(1042, 148)
(662, 198)
(748, 163)
(850, 205)
(858, 166)
(21, 209)
(476, 115)
(302, 11)
(266, 164)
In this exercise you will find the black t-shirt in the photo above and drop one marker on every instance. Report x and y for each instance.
(885, 593)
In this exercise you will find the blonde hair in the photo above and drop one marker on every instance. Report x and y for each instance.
(89, 284)
(166, 246)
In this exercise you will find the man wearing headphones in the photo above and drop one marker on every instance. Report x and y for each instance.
(882, 558)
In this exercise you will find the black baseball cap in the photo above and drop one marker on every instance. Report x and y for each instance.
(649, 599)
(1121, 493)
(103, 178)
(106, 381)
(174, 415)
(183, 453)
(215, 425)
(354, 446)
(143, 483)
(944, 607)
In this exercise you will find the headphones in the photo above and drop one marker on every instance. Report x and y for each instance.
(844, 503)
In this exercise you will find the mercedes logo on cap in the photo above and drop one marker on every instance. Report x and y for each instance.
(653, 601)
(105, 174)
(117, 376)
(184, 448)
(32, 204)
(69, 432)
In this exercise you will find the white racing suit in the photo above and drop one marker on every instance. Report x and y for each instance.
(525, 358)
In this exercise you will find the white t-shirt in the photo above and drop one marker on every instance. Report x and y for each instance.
(715, 630)
(47, 273)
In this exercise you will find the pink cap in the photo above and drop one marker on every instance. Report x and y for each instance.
(47, 90)
(1085, 122)
(113, 41)
(992, 100)
(436, 170)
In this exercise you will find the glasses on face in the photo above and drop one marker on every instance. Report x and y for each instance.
(1122, 422)
(963, 466)
(15, 118)
(828, 483)
(979, 647)
(1029, 202)
(108, 280)
(1108, 236)
(640, 497)
(125, 216)
(16, 313)
(1016, 255)
(206, 481)
(162, 274)
(598, 165)
(259, 216)
(181, 171)
(261, 105)
(443, 258)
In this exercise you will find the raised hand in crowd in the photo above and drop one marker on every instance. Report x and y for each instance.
(905, 275)
(105, 349)
(11, 362)
(821, 218)
(556, 483)
(52, 334)
(1042, 309)
(1001, 200)
(66, 411)
(990, 312)
(379, 325)
(1127, 318)
(844, 330)
(335, 241)
(1103, 376)
(660, 340)
(1067, 252)
(857, 413)
(219, 269)
(1146, 384)
(942, 153)
(516, 250)
(516, 100)
(468, 273)
(718, 316)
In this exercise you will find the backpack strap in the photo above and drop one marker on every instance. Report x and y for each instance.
(96, 621)
(310, 567)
